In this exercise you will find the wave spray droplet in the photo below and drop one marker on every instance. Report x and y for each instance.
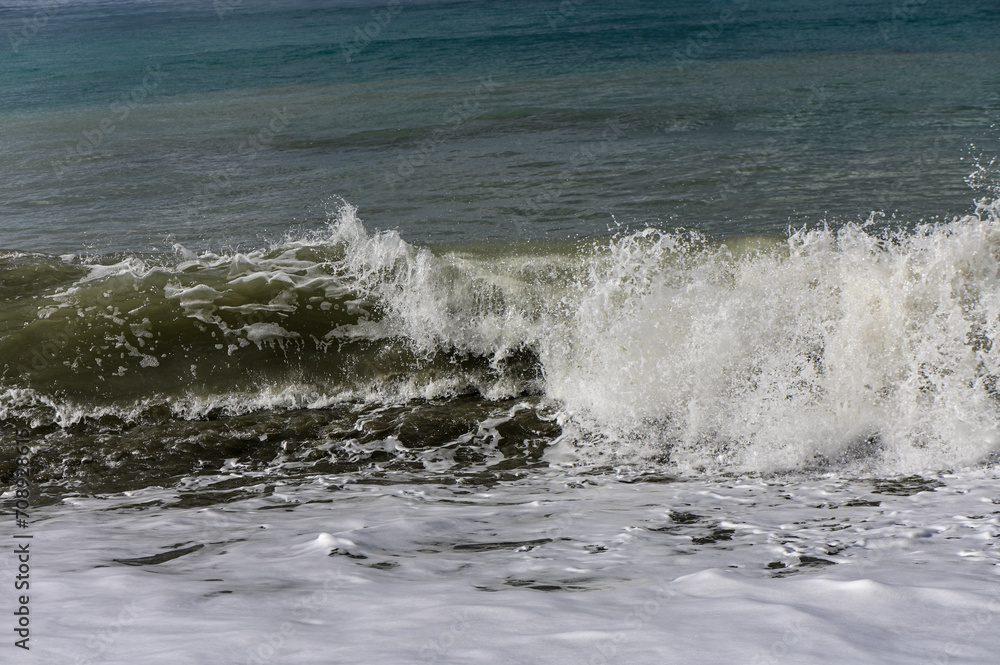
(828, 348)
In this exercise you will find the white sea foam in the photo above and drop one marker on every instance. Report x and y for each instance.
(843, 347)
(551, 569)
(835, 348)
(840, 347)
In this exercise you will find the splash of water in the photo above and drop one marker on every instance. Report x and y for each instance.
(828, 348)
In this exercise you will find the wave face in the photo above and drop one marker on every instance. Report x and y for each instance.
(850, 348)
(339, 316)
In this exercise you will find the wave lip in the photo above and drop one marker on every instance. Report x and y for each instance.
(336, 315)
(838, 348)
(825, 349)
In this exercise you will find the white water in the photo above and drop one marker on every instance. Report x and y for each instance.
(869, 352)
(847, 348)
(556, 569)
(837, 354)
(851, 350)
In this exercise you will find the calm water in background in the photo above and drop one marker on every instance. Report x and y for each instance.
(132, 125)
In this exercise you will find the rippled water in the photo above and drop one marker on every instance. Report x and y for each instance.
(502, 332)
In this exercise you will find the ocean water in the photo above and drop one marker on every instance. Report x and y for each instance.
(422, 331)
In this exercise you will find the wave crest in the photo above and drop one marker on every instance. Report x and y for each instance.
(828, 348)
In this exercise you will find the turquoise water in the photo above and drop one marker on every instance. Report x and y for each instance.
(131, 126)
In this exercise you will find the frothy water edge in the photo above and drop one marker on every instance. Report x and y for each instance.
(850, 349)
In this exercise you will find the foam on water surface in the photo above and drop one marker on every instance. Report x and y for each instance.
(867, 351)
(553, 569)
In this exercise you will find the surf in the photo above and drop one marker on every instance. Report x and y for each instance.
(847, 348)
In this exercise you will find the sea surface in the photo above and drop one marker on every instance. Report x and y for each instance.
(461, 331)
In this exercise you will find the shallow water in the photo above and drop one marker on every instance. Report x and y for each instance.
(505, 332)
(550, 568)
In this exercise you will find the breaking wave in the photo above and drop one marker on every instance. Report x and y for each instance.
(851, 347)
